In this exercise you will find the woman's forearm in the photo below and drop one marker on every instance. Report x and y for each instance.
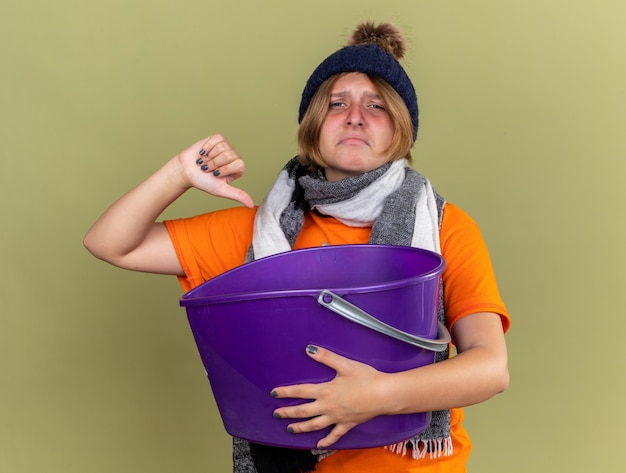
(474, 375)
(130, 222)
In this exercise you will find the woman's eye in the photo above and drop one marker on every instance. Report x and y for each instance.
(377, 106)
(337, 104)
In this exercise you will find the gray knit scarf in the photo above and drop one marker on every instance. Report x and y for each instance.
(402, 209)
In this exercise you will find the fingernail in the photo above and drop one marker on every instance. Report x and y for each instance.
(202, 152)
(204, 167)
(216, 172)
(290, 430)
(274, 394)
(199, 161)
(277, 415)
(312, 349)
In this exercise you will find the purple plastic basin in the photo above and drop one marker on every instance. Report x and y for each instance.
(252, 325)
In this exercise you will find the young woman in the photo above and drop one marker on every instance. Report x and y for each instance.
(349, 184)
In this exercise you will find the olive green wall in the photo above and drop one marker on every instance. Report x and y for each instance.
(523, 109)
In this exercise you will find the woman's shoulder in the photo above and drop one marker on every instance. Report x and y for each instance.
(229, 226)
(242, 215)
(455, 212)
(236, 213)
(458, 230)
(455, 217)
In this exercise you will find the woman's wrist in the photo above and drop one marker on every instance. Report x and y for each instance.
(176, 176)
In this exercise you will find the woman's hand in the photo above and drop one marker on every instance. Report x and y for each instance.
(211, 165)
(354, 396)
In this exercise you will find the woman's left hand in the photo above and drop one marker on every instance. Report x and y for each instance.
(354, 396)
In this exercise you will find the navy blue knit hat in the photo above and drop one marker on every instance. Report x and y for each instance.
(370, 59)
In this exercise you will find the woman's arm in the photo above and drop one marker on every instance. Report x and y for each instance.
(127, 234)
(359, 392)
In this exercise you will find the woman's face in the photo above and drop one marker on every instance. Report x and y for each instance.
(357, 131)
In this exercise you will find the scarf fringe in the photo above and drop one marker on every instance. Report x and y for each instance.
(419, 448)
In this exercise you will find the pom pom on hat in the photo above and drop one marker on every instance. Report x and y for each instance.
(373, 50)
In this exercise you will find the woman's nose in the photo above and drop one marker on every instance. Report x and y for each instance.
(355, 116)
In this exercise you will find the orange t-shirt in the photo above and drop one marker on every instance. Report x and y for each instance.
(210, 244)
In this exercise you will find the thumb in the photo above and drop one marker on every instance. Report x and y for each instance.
(329, 358)
(236, 194)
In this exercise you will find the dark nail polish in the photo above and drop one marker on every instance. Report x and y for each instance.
(216, 172)
(277, 415)
(312, 349)
(204, 167)
(199, 161)
(274, 394)
(290, 430)
(202, 152)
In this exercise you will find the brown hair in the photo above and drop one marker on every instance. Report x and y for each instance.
(309, 131)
